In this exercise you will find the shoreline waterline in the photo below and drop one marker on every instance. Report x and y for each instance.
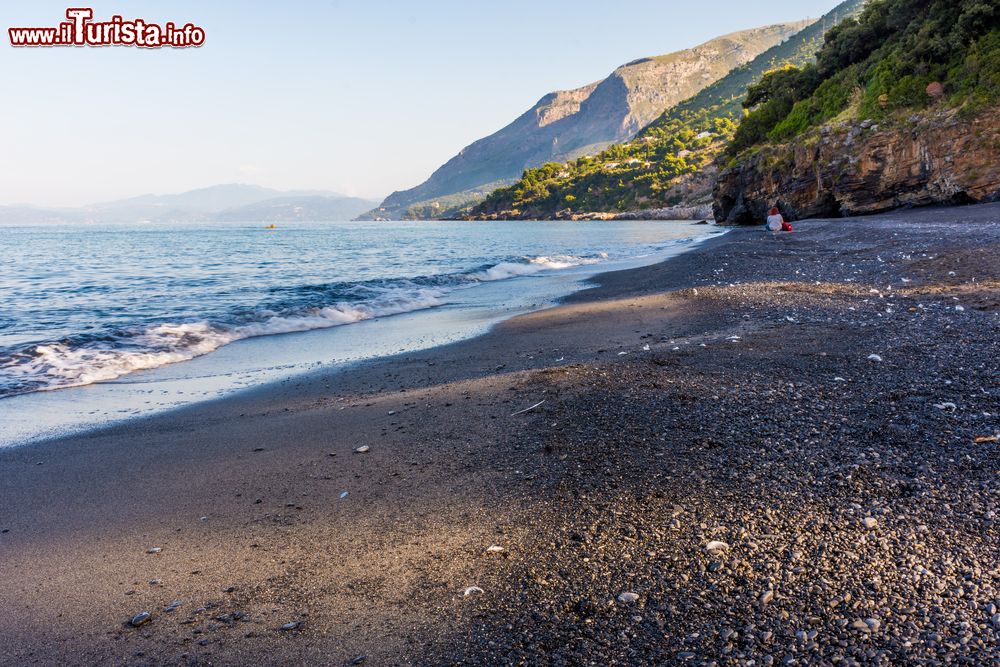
(256, 361)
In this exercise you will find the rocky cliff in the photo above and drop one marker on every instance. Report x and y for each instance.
(862, 167)
(566, 124)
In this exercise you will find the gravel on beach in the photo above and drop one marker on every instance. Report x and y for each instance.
(770, 450)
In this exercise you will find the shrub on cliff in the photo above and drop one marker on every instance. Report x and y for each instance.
(898, 55)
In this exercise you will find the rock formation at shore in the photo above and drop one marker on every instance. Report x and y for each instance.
(862, 167)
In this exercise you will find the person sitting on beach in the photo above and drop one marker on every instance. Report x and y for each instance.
(775, 221)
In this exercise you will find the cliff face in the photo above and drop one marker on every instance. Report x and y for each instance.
(566, 124)
(861, 168)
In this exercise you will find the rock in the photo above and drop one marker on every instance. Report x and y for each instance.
(495, 549)
(873, 623)
(874, 357)
(290, 626)
(871, 523)
(766, 597)
(471, 590)
(715, 545)
(860, 626)
(173, 606)
(141, 618)
(154, 550)
(933, 166)
(628, 598)
(362, 449)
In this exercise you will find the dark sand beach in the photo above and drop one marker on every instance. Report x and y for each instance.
(769, 450)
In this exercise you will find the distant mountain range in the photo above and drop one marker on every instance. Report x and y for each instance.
(567, 124)
(220, 203)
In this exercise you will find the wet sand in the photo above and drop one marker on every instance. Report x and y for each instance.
(855, 496)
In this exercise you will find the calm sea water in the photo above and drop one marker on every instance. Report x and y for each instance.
(88, 304)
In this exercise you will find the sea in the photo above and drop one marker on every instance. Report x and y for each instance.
(102, 323)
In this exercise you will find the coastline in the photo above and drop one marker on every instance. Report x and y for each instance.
(234, 358)
(635, 460)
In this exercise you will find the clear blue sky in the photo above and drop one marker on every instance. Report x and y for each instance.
(359, 96)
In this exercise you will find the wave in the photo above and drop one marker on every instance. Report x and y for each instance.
(84, 360)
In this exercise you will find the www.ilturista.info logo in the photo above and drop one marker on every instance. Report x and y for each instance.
(81, 30)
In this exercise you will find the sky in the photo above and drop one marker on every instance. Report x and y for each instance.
(361, 97)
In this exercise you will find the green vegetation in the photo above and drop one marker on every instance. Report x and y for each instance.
(898, 55)
(667, 163)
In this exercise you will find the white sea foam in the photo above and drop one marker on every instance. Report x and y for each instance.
(62, 365)
(534, 265)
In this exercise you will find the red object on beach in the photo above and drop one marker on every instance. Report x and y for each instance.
(786, 226)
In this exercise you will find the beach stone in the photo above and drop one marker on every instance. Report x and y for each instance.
(628, 598)
(154, 550)
(860, 625)
(140, 619)
(362, 449)
(290, 626)
(766, 597)
(870, 523)
(715, 545)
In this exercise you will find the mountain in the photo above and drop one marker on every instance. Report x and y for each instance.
(27, 214)
(224, 203)
(671, 161)
(288, 209)
(901, 108)
(566, 124)
(198, 204)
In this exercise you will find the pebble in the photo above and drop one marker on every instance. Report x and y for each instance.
(154, 550)
(470, 590)
(140, 619)
(715, 545)
(362, 449)
(870, 522)
(874, 357)
(290, 626)
(766, 596)
(495, 549)
(628, 598)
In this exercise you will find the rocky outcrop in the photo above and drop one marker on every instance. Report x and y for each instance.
(861, 168)
(567, 124)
